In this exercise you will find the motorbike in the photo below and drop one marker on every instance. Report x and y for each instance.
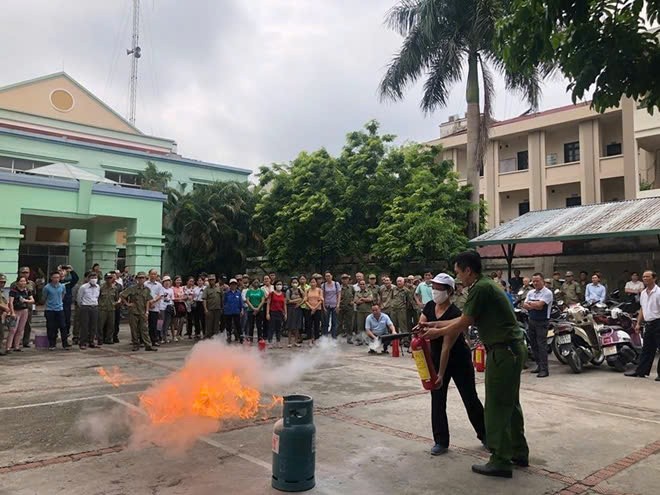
(577, 342)
(621, 345)
(625, 302)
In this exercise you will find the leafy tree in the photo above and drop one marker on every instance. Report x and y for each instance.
(427, 219)
(211, 228)
(153, 179)
(443, 38)
(604, 44)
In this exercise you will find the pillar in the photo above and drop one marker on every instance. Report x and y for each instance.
(589, 162)
(101, 246)
(629, 145)
(143, 247)
(10, 239)
(77, 239)
(536, 152)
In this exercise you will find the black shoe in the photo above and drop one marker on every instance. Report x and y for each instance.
(490, 470)
(108, 342)
(135, 348)
(633, 373)
(542, 374)
(371, 351)
(535, 370)
(384, 352)
(522, 462)
(67, 347)
(438, 449)
(657, 378)
(115, 340)
(152, 349)
(26, 346)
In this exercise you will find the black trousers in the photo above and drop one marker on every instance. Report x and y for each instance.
(258, 319)
(307, 322)
(200, 319)
(538, 339)
(153, 326)
(459, 369)
(55, 321)
(67, 312)
(275, 325)
(650, 347)
(115, 334)
(233, 325)
(313, 324)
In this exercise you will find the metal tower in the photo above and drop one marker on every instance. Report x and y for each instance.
(136, 52)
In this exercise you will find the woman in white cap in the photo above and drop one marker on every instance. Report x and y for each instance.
(459, 367)
(167, 309)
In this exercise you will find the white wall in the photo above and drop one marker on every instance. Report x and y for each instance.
(509, 203)
(556, 137)
(610, 132)
(557, 199)
(612, 189)
(509, 148)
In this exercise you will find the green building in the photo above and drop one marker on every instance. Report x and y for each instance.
(87, 205)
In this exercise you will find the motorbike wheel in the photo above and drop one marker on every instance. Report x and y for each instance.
(597, 361)
(619, 365)
(555, 350)
(575, 362)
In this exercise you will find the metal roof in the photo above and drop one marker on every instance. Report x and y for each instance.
(637, 217)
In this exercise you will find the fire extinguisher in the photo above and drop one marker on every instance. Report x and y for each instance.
(396, 351)
(479, 358)
(262, 345)
(421, 351)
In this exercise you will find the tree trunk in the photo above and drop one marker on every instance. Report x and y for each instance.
(473, 122)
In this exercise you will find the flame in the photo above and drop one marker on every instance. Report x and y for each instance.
(114, 377)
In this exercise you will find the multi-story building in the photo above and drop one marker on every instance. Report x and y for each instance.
(562, 157)
(46, 221)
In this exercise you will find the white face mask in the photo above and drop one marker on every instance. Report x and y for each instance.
(440, 296)
(278, 287)
(93, 281)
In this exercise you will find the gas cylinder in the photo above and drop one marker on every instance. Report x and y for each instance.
(396, 352)
(421, 351)
(294, 445)
(262, 345)
(479, 358)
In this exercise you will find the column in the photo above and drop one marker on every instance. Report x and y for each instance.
(589, 161)
(629, 145)
(10, 239)
(143, 248)
(101, 246)
(77, 239)
(536, 151)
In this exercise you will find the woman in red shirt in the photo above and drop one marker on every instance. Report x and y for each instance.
(276, 313)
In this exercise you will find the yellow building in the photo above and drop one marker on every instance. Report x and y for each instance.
(562, 157)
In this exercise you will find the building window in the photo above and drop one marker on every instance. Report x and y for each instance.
(613, 149)
(572, 152)
(574, 201)
(523, 208)
(523, 160)
(508, 165)
(19, 165)
(125, 179)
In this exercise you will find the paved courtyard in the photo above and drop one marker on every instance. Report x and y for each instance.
(598, 432)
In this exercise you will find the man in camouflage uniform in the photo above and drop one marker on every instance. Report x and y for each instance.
(364, 299)
(571, 290)
(32, 290)
(137, 299)
(346, 312)
(460, 294)
(375, 290)
(108, 302)
(386, 294)
(401, 301)
(212, 299)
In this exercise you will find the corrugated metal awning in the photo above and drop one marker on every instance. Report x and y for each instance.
(639, 217)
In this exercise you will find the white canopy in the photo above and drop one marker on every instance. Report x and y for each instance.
(68, 171)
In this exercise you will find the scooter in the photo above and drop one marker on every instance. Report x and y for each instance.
(621, 345)
(576, 340)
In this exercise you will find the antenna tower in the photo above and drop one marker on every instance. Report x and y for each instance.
(135, 52)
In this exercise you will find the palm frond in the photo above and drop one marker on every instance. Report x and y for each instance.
(445, 70)
(487, 115)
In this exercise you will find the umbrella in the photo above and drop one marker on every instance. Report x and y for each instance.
(68, 171)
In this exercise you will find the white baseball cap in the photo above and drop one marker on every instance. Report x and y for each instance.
(444, 279)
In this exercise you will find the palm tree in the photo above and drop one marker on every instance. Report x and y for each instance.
(153, 179)
(441, 39)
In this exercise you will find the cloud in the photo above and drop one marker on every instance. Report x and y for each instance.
(234, 82)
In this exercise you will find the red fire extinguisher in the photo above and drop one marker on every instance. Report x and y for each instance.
(396, 352)
(262, 345)
(479, 358)
(421, 351)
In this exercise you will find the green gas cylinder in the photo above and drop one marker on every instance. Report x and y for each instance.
(294, 448)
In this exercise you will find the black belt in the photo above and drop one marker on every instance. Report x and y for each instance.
(509, 346)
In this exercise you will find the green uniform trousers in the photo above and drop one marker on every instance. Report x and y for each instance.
(213, 318)
(505, 428)
(106, 327)
(362, 320)
(400, 319)
(139, 330)
(346, 317)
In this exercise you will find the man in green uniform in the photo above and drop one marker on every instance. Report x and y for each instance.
(212, 298)
(373, 286)
(488, 307)
(460, 294)
(108, 301)
(401, 302)
(345, 311)
(571, 290)
(364, 298)
(385, 295)
(137, 299)
(556, 282)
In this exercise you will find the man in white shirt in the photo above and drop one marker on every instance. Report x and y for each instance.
(649, 300)
(634, 287)
(538, 304)
(88, 308)
(157, 293)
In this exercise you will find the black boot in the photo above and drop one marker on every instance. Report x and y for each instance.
(490, 470)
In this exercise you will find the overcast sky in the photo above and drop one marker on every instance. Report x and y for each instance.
(239, 82)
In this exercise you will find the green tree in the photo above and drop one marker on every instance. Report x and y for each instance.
(211, 228)
(153, 179)
(600, 44)
(443, 38)
(427, 219)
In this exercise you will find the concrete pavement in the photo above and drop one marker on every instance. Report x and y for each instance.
(598, 432)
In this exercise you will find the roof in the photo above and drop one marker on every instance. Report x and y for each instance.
(639, 217)
(68, 171)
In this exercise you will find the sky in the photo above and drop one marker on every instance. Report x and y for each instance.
(238, 82)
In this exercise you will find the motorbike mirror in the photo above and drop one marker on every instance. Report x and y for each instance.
(560, 303)
(601, 305)
(521, 292)
(557, 291)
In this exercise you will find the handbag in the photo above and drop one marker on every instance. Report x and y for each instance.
(180, 308)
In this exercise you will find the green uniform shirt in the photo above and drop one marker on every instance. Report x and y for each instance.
(347, 296)
(460, 299)
(108, 296)
(493, 313)
(139, 297)
(254, 296)
(572, 292)
(556, 284)
(401, 298)
(366, 306)
(386, 296)
(213, 297)
(375, 290)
